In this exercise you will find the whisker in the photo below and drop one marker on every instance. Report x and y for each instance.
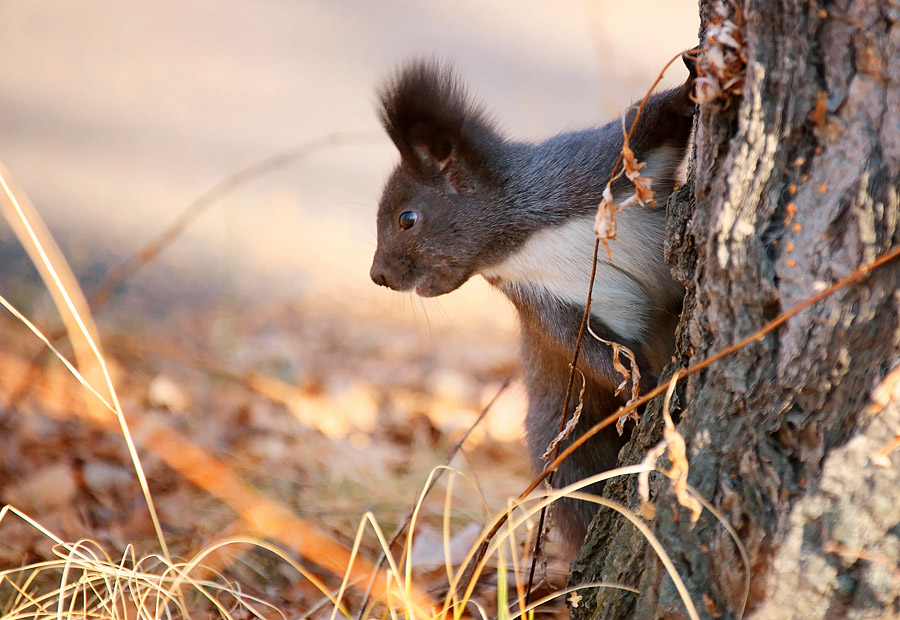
(446, 316)
(412, 305)
(427, 320)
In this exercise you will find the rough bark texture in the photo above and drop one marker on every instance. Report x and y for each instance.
(780, 435)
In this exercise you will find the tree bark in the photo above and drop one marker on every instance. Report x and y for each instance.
(796, 184)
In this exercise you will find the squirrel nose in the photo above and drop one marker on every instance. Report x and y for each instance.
(378, 277)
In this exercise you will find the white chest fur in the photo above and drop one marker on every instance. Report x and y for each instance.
(629, 290)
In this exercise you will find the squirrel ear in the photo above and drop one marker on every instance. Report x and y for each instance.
(432, 150)
(688, 104)
(436, 154)
(437, 129)
(689, 57)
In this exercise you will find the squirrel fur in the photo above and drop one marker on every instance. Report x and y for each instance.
(466, 200)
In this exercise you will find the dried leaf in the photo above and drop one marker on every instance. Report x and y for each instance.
(648, 510)
(633, 374)
(678, 474)
(605, 222)
(575, 599)
(674, 446)
(706, 89)
(52, 488)
(642, 192)
(167, 393)
(721, 63)
(632, 165)
(570, 425)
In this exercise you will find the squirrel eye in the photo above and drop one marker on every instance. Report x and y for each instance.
(408, 219)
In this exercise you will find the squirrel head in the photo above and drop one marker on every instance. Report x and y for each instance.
(438, 217)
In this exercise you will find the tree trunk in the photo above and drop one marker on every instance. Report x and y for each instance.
(795, 186)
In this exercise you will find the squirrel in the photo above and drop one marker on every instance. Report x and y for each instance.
(465, 200)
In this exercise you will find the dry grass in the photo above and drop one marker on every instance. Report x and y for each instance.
(84, 580)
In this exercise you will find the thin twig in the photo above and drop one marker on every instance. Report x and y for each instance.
(585, 318)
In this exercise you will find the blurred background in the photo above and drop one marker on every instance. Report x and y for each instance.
(116, 116)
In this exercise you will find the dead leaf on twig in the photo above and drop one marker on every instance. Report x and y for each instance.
(721, 61)
(673, 445)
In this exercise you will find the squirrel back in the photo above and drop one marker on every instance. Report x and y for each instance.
(465, 200)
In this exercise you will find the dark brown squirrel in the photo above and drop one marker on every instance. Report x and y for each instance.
(465, 200)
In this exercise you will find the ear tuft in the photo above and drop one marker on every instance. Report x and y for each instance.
(429, 116)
